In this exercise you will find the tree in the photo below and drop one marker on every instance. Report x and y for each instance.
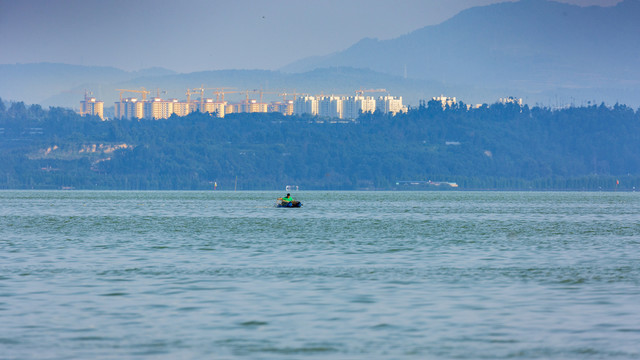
(17, 110)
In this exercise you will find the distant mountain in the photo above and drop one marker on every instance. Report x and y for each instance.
(64, 85)
(336, 80)
(34, 83)
(534, 47)
(545, 52)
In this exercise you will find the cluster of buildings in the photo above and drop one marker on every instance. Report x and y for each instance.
(329, 106)
(340, 107)
(347, 107)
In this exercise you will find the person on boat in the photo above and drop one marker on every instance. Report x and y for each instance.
(288, 198)
(288, 201)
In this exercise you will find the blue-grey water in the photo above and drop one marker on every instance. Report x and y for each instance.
(350, 275)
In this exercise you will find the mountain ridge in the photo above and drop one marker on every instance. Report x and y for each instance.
(479, 55)
(36, 82)
(531, 45)
(68, 90)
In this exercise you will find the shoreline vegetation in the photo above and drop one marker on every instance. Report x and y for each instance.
(495, 147)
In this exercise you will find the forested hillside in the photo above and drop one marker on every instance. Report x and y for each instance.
(493, 147)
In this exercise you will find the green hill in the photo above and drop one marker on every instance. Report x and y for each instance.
(493, 147)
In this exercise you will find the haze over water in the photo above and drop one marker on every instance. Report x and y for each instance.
(356, 275)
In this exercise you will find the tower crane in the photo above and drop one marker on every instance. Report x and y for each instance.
(83, 104)
(144, 92)
(362, 91)
(219, 92)
(294, 93)
(195, 91)
(202, 89)
(189, 92)
(264, 92)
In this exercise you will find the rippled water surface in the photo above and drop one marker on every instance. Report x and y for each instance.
(350, 275)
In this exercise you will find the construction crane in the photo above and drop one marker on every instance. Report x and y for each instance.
(322, 94)
(196, 91)
(87, 95)
(361, 91)
(262, 92)
(189, 92)
(219, 92)
(201, 89)
(144, 92)
(294, 93)
(247, 95)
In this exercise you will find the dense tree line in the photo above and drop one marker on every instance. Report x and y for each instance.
(501, 146)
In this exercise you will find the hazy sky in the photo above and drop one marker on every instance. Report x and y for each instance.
(196, 35)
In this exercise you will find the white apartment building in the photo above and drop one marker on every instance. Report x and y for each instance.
(182, 108)
(91, 106)
(253, 106)
(285, 107)
(129, 108)
(445, 101)
(390, 104)
(354, 105)
(330, 106)
(305, 105)
(157, 108)
(212, 107)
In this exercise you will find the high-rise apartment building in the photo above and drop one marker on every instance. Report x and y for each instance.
(445, 101)
(231, 108)
(156, 108)
(182, 108)
(390, 104)
(91, 106)
(253, 106)
(213, 107)
(330, 106)
(129, 108)
(305, 105)
(355, 105)
(285, 107)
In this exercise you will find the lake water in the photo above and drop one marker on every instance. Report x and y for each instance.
(350, 275)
